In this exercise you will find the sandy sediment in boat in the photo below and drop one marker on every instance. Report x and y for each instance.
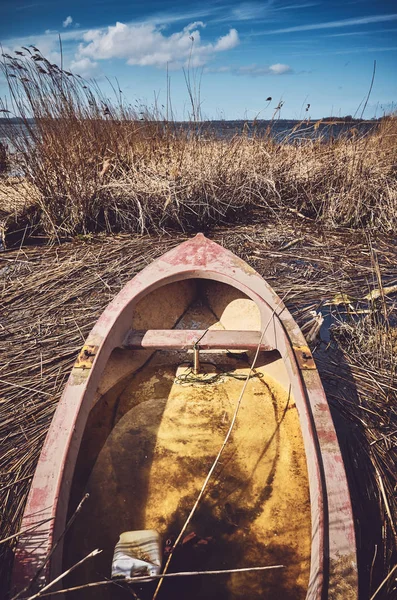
(147, 476)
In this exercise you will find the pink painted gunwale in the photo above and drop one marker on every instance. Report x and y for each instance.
(333, 537)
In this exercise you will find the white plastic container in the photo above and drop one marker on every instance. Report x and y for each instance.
(137, 553)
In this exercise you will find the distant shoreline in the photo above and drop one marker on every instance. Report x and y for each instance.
(325, 121)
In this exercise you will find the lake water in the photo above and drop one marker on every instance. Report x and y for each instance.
(287, 130)
(281, 130)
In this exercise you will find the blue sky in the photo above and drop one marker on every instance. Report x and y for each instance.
(300, 51)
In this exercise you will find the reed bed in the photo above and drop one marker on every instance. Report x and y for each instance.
(98, 164)
(51, 297)
(87, 167)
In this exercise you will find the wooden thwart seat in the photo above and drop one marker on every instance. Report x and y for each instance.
(184, 339)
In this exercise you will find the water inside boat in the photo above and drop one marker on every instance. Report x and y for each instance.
(151, 438)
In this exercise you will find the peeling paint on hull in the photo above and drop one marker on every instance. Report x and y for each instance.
(333, 552)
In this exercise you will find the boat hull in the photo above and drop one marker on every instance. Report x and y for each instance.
(332, 547)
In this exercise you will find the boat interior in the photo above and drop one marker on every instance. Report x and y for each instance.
(158, 420)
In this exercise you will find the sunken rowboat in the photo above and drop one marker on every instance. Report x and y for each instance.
(144, 413)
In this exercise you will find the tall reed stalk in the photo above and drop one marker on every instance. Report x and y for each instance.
(98, 164)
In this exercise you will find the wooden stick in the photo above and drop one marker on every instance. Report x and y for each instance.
(5, 487)
(24, 387)
(54, 581)
(10, 537)
(54, 547)
(383, 582)
(372, 566)
(385, 500)
(151, 577)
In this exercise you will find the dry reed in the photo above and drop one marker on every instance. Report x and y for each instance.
(51, 297)
(94, 164)
(91, 165)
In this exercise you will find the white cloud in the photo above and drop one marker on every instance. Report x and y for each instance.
(194, 25)
(227, 42)
(147, 45)
(265, 11)
(224, 69)
(359, 50)
(280, 69)
(68, 21)
(248, 11)
(84, 67)
(143, 44)
(48, 44)
(297, 6)
(369, 33)
(168, 17)
(254, 70)
(333, 24)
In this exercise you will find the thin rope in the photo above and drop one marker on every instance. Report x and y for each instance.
(210, 378)
(200, 338)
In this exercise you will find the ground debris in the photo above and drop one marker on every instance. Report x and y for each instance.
(51, 296)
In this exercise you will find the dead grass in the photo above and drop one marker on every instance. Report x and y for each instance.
(99, 165)
(89, 165)
(52, 296)
(344, 182)
(3, 160)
